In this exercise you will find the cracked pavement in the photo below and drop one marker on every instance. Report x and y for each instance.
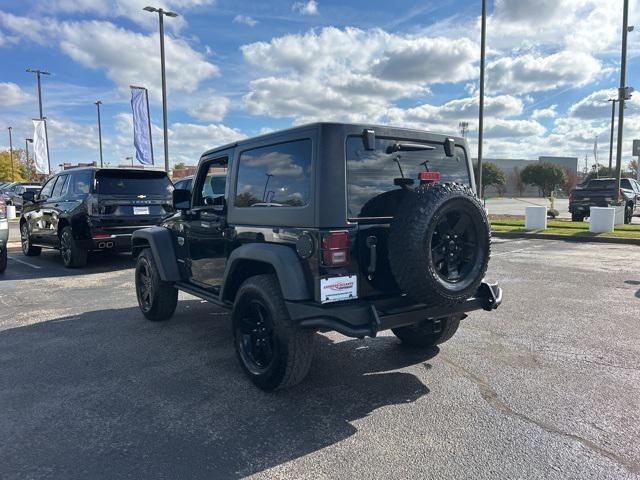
(547, 386)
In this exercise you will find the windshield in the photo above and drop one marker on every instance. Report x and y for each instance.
(118, 182)
(371, 173)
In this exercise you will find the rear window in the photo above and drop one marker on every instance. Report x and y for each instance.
(370, 173)
(117, 182)
(602, 184)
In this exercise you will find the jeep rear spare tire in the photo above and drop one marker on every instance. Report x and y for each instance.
(439, 244)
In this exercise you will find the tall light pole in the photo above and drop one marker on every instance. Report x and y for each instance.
(98, 103)
(161, 14)
(38, 74)
(483, 38)
(623, 92)
(11, 150)
(613, 117)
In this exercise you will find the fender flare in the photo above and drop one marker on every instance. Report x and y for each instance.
(161, 244)
(284, 261)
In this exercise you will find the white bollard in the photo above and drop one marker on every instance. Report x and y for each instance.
(602, 219)
(535, 218)
(619, 216)
(11, 212)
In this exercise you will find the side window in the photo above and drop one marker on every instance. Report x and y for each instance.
(636, 186)
(20, 190)
(211, 188)
(61, 186)
(625, 183)
(275, 176)
(47, 189)
(81, 183)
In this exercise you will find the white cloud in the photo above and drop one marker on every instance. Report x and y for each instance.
(306, 8)
(596, 106)
(549, 112)
(210, 107)
(534, 73)
(11, 94)
(245, 19)
(128, 57)
(350, 73)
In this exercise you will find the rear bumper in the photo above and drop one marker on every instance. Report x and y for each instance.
(115, 233)
(365, 319)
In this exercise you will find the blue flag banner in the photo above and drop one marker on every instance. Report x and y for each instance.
(141, 125)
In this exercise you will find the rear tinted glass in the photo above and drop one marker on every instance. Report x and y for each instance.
(117, 182)
(602, 184)
(371, 173)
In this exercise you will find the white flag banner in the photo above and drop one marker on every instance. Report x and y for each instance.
(40, 157)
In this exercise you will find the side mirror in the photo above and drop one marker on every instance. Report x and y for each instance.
(29, 196)
(181, 199)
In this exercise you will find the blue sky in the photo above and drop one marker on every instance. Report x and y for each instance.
(239, 68)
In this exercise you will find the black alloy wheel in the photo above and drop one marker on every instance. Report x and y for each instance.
(255, 337)
(25, 240)
(145, 287)
(454, 245)
(66, 244)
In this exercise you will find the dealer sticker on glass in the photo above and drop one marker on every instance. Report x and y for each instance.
(335, 289)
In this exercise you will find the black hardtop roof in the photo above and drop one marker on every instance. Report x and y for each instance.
(110, 169)
(308, 126)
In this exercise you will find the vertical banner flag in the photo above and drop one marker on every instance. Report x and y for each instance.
(40, 156)
(141, 125)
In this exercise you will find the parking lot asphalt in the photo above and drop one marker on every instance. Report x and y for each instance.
(547, 386)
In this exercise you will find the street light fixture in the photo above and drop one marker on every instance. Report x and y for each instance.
(161, 14)
(38, 74)
(97, 104)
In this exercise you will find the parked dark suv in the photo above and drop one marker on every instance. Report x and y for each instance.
(350, 228)
(88, 209)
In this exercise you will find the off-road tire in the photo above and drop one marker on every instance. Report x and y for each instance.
(428, 333)
(577, 217)
(418, 265)
(157, 299)
(291, 347)
(25, 239)
(73, 255)
(3, 259)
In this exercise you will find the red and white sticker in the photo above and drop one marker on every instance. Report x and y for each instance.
(336, 289)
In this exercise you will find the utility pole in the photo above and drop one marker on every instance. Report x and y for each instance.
(483, 38)
(613, 117)
(98, 103)
(623, 93)
(161, 14)
(11, 151)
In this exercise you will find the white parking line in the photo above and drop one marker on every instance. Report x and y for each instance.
(25, 263)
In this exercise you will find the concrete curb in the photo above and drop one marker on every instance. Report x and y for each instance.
(567, 238)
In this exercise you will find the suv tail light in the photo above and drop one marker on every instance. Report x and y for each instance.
(429, 177)
(335, 249)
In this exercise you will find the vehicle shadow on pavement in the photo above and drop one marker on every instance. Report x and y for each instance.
(636, 283)
(106, 394)
(49, 264)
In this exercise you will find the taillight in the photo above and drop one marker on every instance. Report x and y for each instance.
(429, 177)
(335, 249)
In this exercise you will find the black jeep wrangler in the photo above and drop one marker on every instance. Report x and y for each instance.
(351, 228)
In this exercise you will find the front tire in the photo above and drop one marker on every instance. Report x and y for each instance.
(428, 333)
(3, 259)
(25, 239)
(157, 299)
(73, 255)
(273, 351)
